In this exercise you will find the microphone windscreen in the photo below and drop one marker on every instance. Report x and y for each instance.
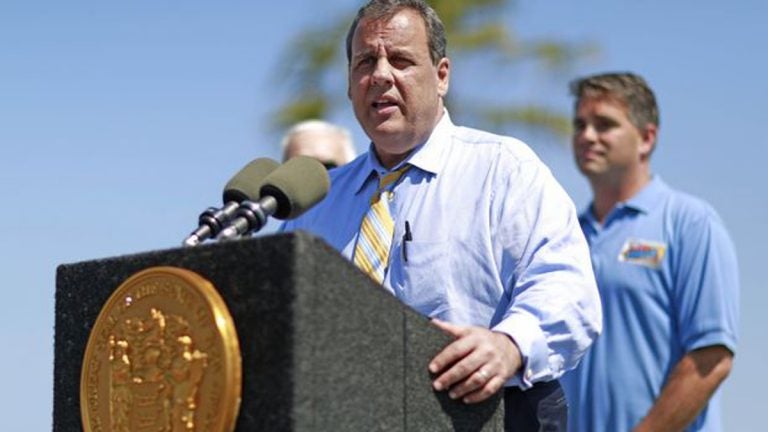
(246, 184)
(297, 185)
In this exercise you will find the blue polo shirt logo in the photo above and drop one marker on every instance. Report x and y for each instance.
(643, 252)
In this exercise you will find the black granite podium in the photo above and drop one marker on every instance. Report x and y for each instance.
(323, 347)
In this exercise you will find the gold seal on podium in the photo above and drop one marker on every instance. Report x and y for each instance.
(162, 356)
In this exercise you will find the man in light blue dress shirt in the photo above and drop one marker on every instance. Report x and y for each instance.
(486, 242)
(666, 271)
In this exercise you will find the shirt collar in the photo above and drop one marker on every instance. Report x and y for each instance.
(587, 219)
(428, 156)
(647, 198)
(643, 201)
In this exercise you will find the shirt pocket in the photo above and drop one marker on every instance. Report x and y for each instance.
(420, 276)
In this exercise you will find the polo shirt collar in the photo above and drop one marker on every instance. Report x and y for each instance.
(643, 201)
(649, 196)
(428, 157)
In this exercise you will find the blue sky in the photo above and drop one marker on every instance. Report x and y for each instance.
(121, 121)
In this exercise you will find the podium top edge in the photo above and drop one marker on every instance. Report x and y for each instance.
(297, 237)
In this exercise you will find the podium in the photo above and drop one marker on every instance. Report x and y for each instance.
(323, 347)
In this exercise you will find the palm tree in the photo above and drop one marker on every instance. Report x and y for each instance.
(315, 59)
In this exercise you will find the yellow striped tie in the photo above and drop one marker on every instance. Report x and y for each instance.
(375, 239)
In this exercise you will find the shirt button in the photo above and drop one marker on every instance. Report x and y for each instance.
(528, 374)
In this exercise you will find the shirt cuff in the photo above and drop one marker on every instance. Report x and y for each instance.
(526, 333)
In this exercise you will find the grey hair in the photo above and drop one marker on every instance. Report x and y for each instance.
(314, 125)
(381, 9)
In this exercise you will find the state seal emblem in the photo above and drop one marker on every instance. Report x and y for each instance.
(163, 356)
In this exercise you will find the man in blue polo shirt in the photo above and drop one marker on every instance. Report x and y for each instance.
(666, 272)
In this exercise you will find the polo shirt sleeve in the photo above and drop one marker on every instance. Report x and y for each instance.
(706, 285)
(554, 313)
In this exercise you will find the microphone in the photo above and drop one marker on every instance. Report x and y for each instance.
(286, 193)
(245, 185)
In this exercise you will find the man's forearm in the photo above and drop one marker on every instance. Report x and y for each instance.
(690, 385)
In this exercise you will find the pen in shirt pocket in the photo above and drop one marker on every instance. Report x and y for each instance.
(407, 236)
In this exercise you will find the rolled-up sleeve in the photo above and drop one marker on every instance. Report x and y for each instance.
(554, 312)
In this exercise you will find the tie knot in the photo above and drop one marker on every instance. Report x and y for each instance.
(390, 178)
